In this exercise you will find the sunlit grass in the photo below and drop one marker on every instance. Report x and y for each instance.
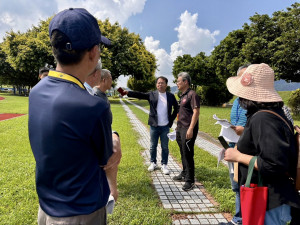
(138, 202)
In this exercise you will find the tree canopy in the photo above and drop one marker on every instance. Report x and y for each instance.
(22, 54)
(274, 40)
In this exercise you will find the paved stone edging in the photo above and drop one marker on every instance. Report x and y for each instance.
(169, 191)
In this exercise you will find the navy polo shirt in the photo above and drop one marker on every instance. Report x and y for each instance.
(70, 136)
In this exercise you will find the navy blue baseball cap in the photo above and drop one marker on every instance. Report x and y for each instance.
(80, 27)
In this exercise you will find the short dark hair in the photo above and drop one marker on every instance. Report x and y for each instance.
(59, 47)
(162, 77)
(43, 70)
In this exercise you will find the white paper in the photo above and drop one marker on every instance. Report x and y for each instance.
(226, 131)
(172, 135)
(229, 135)
(222, 122)
(221, 156)
(230, 167)
(110, 204)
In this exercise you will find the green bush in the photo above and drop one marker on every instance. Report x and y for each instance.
(215, 94)
(294, 102)
(199, 91)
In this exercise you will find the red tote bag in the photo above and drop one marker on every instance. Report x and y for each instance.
(253, 199)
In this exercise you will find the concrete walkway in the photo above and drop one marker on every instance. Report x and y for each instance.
(195, 206)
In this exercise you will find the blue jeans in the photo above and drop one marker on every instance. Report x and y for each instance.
(235, 188)
(155, 133)
(278, 216)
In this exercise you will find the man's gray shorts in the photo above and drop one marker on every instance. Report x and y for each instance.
(96, 218)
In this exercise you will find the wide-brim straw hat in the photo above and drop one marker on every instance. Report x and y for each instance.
(255, 84)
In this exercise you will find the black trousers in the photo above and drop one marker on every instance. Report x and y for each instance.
(187, 152)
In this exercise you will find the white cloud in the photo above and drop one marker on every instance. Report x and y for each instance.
(164, 61)
(191, 40)
(116, 10)
(20, 15)
(122, 81)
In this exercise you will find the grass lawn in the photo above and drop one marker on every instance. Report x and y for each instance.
(138, 203)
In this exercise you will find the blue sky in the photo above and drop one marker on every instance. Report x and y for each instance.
(169, 28)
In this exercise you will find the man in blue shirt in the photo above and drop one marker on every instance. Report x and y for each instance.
(69, 132)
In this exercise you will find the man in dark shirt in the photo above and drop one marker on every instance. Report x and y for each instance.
(187, 129)
(69, 130)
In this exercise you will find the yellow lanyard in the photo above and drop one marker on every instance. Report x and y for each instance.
(64, 76)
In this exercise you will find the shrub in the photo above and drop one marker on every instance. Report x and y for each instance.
(294, 102)
(199, 91)
(215, 94)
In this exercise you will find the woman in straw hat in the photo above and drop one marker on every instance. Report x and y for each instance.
(267, 137)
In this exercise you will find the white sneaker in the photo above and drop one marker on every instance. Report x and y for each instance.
(165, 169)
(152, 167)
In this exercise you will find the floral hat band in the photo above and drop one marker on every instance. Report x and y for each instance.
(247, 79)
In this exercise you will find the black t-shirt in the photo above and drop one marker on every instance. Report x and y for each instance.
(268, 137)
(188, 102)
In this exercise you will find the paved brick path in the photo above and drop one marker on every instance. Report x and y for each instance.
(194, 205)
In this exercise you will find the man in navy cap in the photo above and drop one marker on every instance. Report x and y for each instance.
(69, 130)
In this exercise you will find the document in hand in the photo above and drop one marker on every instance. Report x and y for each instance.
(226, 131)
(222, 122)
(172, 135)
(110, 204)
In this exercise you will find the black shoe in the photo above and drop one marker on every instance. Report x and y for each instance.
(179, 177)
(188, 186)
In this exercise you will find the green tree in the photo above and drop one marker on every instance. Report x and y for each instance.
(127, 55)
(142, 85)
(226, 58)
(27, 52)
(286, 58)
(6, 72)
(207, 84)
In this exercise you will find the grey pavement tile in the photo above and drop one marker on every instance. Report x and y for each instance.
(213, 221)
(171, 197)
(186, 221)
(194, 221)
(219, 215)
(203, 221)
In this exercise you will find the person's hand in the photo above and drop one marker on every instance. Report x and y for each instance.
(115, 194)
(189, 134)
(232, 155)
(125, 92)
(115, 158)
(238, 129)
